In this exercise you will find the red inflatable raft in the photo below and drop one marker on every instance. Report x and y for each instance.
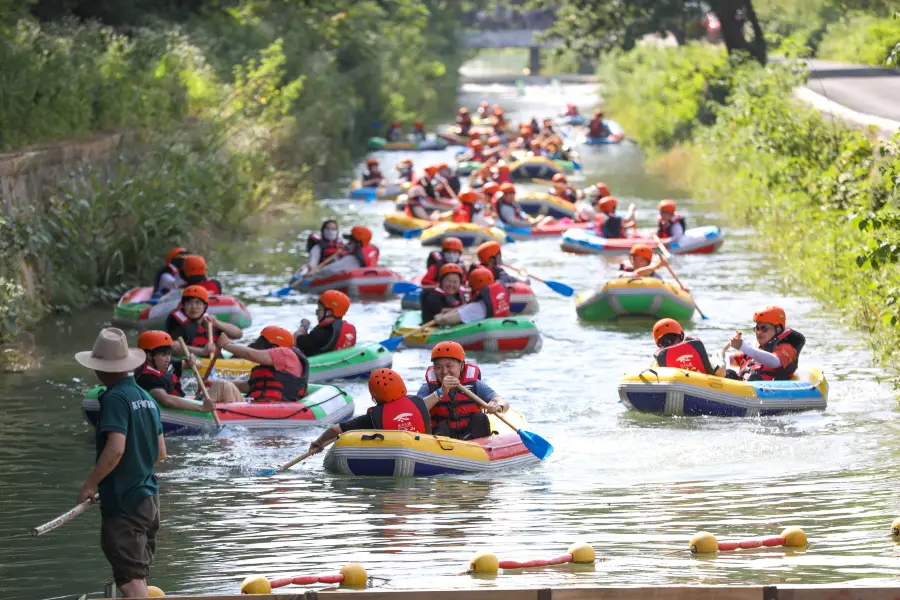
(374, 282)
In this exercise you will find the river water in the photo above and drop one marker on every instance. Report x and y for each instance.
(636, 487)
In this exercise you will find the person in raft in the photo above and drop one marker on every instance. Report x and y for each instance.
(508, 210)
(489, 299)
(671, 224)
(448, 185)
(415, 204)
(321, 246)
(418, 134)
(470, 210)
(129, 442)
(454, 414)
(451, 253)
(610, 225)
(194, 269)
(393, 133)
(394, 410)
(446, 296)
(491, 258)
(332, 332)
(372, 176)
(158, 375)
(281, 372)
(641, 263)
(357, 253)
(779, 349)
(405, 170)
(191, 322)
(676, 350)
(562, 189)
(464, 121)
(169, 277)
(598, 128)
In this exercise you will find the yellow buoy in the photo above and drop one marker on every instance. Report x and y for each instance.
(794, 537)
(895, 527)
(155, 592)
(484, 562)
(354, 575)
(256, 584)
(704, 542)
(582, 553)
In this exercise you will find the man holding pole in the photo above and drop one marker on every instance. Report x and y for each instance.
(129, 444)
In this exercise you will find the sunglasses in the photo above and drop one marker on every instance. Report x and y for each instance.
(763, 328)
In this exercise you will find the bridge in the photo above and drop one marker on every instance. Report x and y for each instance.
(511, 38)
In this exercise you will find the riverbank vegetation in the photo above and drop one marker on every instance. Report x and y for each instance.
(230, 108)
(825, 196)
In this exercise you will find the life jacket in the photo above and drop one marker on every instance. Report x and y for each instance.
(753, 371)
(496, 300)
(447, 301)
(392, 134)
(368, 176)
(408, 413)
(171, 382)
(367, 255)
(211, 285)
(411, 203)
(627, 267)
(689, 355)
(455, 409)
(598, 128)
(612, 227)
(568, 194)
(268, 385)
(665, 228)
(477, 157)
(427, 185)
(501, 178)
(343, 336)
(518, 211)
(328, 247)
(406, 175)
(196, 333)
(465, 213)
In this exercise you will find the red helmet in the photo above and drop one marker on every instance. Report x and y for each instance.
(449, 350)
(395, 124)
(277, 336)
(608, 204)
(770, 314)
(559, 178)
(667, 206)
(642, 250)
(603, 189)
(386, 385)
(195, 291)
(480, 277)
(448, 269)
(493, 141)
(452, 243)
(420, 123)
(664, 327)
(337, 302)
(151, 340)
(477, 144)
(371, 162)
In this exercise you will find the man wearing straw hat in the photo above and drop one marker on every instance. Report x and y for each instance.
(129, 443)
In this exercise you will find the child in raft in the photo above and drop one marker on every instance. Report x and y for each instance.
(170, 276)
(191, 322)
(159, 375)
(641, 263)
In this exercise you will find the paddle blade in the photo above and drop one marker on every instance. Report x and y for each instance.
(510, 240)
(536, 444)
(281, 293)
(404, 287)
(267, 472)
(576, 165)
(392, 343)
(560, 288)
(370, 196)
(412, 233)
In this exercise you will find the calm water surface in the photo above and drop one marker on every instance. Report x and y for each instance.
(636, 487)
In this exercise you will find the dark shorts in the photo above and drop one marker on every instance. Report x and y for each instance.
(128, 541)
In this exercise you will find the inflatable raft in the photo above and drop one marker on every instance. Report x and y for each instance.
(134, 309)
(351, 363)
(441, 204)
(574, 120)
(542, 203)
(534, 167)
(322, 405)
(372, 282)
(383, 192)
(522, 300)
(555, 229)
(507, 334)
(398, 223)
(409, 454)
(616, 136)
(379, 143)
(469, 233)
(697, 240)
(668, 391)
(626, 297)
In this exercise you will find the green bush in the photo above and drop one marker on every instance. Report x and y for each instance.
(860, 38)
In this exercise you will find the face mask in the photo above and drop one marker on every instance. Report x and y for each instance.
(451, 257)
(331, 234)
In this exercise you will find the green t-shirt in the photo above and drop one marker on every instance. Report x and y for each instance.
(127, 409)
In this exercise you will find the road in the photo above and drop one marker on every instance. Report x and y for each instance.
(864, 89)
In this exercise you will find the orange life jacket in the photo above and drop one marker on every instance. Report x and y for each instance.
(268, 385)
(753, 371)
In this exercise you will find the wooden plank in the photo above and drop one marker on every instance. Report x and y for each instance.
(681, 592)
(848, 593)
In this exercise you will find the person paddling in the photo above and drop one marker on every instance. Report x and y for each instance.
(191, 322)
(610, 225)
(598, 128)
(450, 253)
(372, 176)
(446, 296)
(489, 299)
(394, 410)
(129, 442)
(281, 372)
(321, 246)
(332, 332)
(778, 354)
(159, 375)
(357, 253)
(641, 263)
(454, 414)
(677, 351)
(170, 276)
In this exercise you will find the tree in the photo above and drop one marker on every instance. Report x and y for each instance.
(591, 27)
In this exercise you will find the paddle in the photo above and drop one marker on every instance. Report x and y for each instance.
(66, 516)
(290, 464)
(212, 362)
(411, 234)
(404, 287)
(535, 443)
(200, 384)
(558, 287)
(665, 253)
(393, 343)
(296, 280)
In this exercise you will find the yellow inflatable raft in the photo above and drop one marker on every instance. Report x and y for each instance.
(469, 233)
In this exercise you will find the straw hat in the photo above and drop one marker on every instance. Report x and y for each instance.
(111, 353)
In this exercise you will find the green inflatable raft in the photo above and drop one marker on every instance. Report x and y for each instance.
(502, 334)
(646, 296)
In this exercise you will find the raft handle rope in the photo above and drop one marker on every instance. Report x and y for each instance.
(374, 436)
(641, 376)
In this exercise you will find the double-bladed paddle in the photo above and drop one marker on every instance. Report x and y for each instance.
(558, 287)
(535, 443)
(392, 343)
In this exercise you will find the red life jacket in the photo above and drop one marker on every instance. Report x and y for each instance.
(571, 111)
(212, 286)
(477, 157)
(689, 355)
(344, 335)
(268, 385)
(196, 334)
(403, 414)
(367, 255)
(665, 229)
(170, 380)
(753, 371)
(454, 409)
(328, 247)
(463, 213)
(496, 300)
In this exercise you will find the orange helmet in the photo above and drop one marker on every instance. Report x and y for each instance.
(490, 188)
(448, 269)
(473, 135)
(559, 178)
(603, 189)
(449, 350)
(641, 250)
(477, 144)
(480, 277)
(667, 206)
(443, 166)
(503, 169)
(487, 250)
(507, 188)
(337, 302)
(174, 254)
(371, 161)
(151, 340)
(279, 336)
(608, 203)
(452, 243)
(193, 265)
(469, 197)
(407, 162)
(420, 123)
(195, 291)
(431, 171)
(395, 124)
(525, 130)
(463, 110)
(666, 326)
(386, 385)
(493, 141)
(770, 314)
(361, 234)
